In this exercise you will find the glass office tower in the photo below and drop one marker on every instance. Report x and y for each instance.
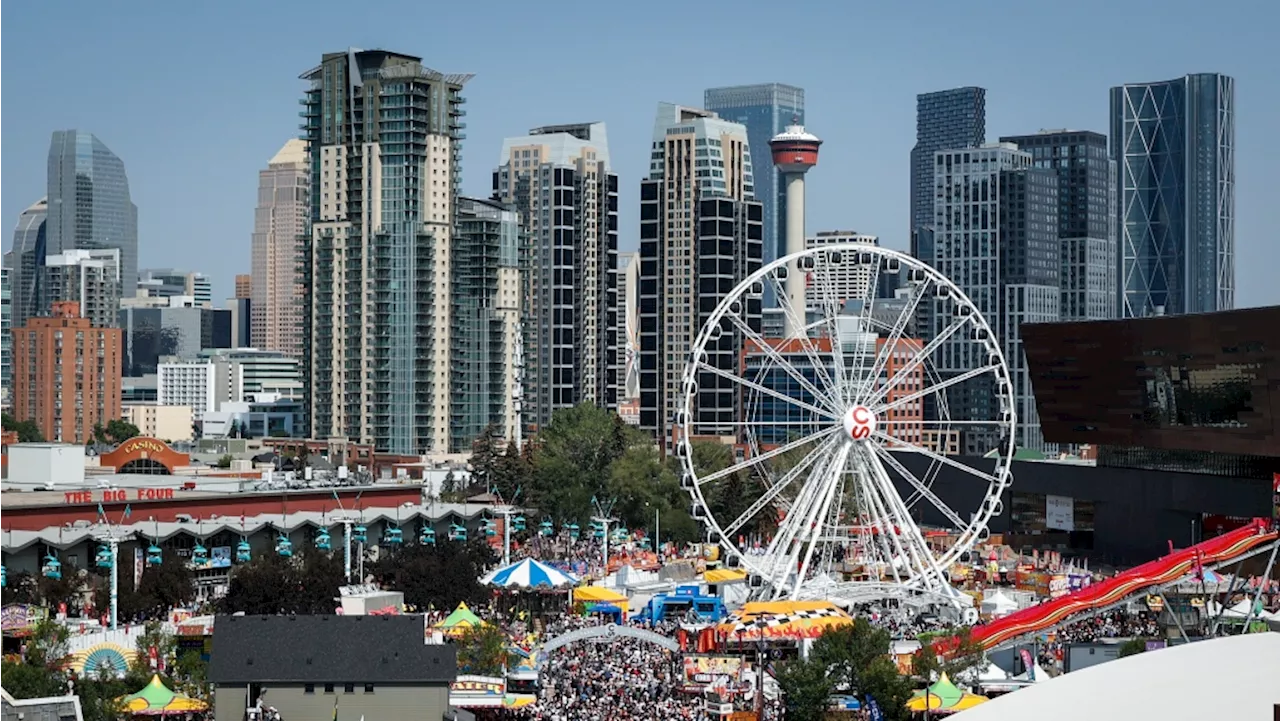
(1174, 146)
(764, 110)
(89, 205)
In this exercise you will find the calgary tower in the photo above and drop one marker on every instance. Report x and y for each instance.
(794, 152)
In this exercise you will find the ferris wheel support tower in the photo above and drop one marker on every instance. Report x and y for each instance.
(795, 151)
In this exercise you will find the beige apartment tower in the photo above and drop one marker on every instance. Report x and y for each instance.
(384, 139)
(279, 229)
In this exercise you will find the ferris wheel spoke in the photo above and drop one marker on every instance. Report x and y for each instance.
(822, 508)
(923, 562)
(831, 316)
(806, 343)
(921, 488)
(777, 488)
(940, 386)
(909, 447)
(767, 391)
(895, 334)
(916, 362)
(781, 362)
(751, 462)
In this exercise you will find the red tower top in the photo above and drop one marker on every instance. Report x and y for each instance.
(794, 150)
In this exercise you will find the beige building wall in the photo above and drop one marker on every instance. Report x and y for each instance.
(279, 225)
(168, 423)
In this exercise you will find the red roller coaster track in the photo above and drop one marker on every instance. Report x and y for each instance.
(1166, 569)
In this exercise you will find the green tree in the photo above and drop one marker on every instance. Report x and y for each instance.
(225, 461)
(436, 576)
(573, 459)
(28, 431)
(805, 689)
(99, 695)
(511, 473)
(25, 680)
(21, 588)
(643, 485)
(165, 645)
(484, 458)
(191, 672)
(482, 650)
(962, 661)
(53, 591)
(271, 584)
(856, 658)
(116, 431)
(47, 644)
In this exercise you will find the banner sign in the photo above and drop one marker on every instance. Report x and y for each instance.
(702, 671)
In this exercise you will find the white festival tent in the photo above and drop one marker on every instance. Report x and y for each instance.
(998, 604)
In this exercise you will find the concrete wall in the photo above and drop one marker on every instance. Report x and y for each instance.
(387, 702)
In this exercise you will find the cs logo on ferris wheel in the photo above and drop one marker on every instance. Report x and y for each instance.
(859, 423)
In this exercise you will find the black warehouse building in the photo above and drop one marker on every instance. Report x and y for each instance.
(1184, 412)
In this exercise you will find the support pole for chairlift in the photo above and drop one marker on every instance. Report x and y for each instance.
(114, 545)
(506, 538)
(346, 548)
(1262, 583)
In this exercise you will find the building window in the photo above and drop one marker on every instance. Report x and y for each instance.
(309, 688)
(349, 688)
(368, 688)
(328, 688)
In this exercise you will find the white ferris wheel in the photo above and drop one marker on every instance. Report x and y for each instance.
(843, 427)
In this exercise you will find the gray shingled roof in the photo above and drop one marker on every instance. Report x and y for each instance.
(327, 649)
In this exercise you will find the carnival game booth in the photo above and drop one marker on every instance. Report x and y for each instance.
(532, 587)
(779, 625)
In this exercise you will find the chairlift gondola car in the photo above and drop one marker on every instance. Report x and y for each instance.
(323, 541)
(52, 567)
(103, 558)
(360, 534)
(597, 529)
(457, 532)
(284, 547)
(427, 536)
(243, 551)
(574, 531)
(517, 524)
(546, 528)
(154, 555)
(4, 577)
(490, 528)
(392, 536)
(620, 535)
(199, 554)
(645, 543)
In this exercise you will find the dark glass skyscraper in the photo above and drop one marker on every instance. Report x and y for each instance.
(945, 120)
(1086, 217)
(89, 205)
(765, 110)
(1174, 146)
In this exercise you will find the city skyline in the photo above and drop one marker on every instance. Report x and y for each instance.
(869, 129)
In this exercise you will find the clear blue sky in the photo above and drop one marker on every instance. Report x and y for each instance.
(196, 97)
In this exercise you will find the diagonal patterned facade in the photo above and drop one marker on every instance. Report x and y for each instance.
(1174, 146)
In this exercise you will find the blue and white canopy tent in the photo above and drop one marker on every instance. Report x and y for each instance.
(530, 575)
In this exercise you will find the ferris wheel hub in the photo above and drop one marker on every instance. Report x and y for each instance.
(859, 423)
